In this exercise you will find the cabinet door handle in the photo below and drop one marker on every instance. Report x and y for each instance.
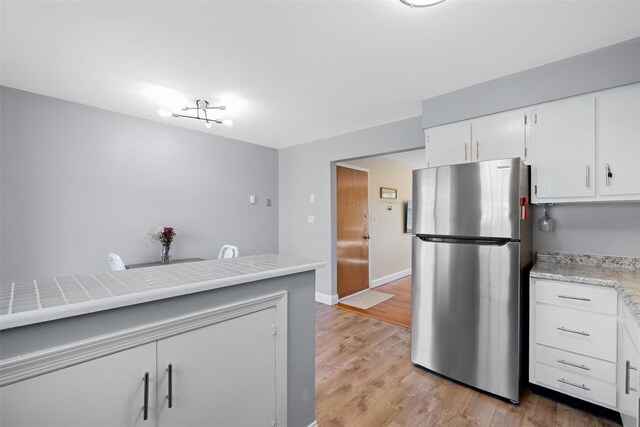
(170, 391)
(588, 180)
(575, 365)
(627, 368)
(583, 387)
(465, 151)
(145, 407)
(608, 175)
(563, 329)
(575, 298)
(477, 150)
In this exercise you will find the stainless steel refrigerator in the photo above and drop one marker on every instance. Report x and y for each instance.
(470, 252)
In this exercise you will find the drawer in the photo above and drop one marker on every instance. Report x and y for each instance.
(576, 363)
(598, 299)
(577, 331)
(576, 385)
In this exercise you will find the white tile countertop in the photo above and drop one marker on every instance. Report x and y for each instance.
(28, 302)
(621, 273)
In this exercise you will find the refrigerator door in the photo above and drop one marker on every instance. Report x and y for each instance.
(466, 313)
(470, 200)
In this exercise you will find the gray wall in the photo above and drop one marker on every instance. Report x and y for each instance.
(310, 168)
(600, 69)
(78, 182)
(591, 228)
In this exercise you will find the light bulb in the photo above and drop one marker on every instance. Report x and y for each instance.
(227, 122)
(207, 124)
(163, 112)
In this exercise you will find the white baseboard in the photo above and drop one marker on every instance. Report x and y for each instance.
(313, 424)
(390, 278)
(326, 298)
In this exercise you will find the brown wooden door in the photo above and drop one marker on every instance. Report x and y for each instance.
(352, 188)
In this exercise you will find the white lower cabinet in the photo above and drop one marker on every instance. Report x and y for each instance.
(573, 340)
(584, 342)
(225, 367)
(628, 362)
(215, 382)
(577, 385)
(109, 391)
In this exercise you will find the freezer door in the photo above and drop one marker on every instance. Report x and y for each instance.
(466, 313)
(472, 200)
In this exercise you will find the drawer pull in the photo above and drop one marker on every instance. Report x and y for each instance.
(575, 298)
(583, 387)
(145, 407)
(575, 365)
(628, 368)
(170, 394)
(571, 331)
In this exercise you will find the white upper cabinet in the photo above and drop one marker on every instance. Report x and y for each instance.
(581, 149)
(448, 144)
(563, 140)
(499, 136)
(619, 142)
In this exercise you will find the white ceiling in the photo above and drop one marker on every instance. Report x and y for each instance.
(290, 71)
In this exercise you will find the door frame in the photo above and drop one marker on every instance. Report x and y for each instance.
(335, 229)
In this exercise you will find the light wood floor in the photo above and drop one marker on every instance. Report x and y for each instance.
(365, 378)
(395, 310)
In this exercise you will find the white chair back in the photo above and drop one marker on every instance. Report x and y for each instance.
(228, 251)
(116, 262)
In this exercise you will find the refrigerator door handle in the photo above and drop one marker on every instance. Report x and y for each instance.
(468, 241)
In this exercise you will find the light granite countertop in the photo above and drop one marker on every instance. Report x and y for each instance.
(621, 273)
(28, 302)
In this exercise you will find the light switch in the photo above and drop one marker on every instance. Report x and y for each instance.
(311, 219)
(312, 198)
(268, 203)
(252, 199)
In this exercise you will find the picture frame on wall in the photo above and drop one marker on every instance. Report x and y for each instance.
(388, 193)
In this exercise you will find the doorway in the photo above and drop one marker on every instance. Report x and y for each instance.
(385, 270)
(352, 222)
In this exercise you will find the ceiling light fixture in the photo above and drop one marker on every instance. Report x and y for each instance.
(201, 113)
(422, 3)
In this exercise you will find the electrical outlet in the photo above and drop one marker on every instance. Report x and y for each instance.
(312, 198)
(311, 219)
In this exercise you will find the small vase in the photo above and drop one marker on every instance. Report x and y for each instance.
(165, 258)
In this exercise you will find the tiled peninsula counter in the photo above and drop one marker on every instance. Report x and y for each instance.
(584, 321)
(228, 341)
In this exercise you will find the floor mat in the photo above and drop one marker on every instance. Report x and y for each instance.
(366, 299)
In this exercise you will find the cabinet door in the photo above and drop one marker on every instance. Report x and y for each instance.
(108, 391)
(448, 144)
(628, 378)
(499, 136)
(222, 375)
(564, 144)
(619, 142)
